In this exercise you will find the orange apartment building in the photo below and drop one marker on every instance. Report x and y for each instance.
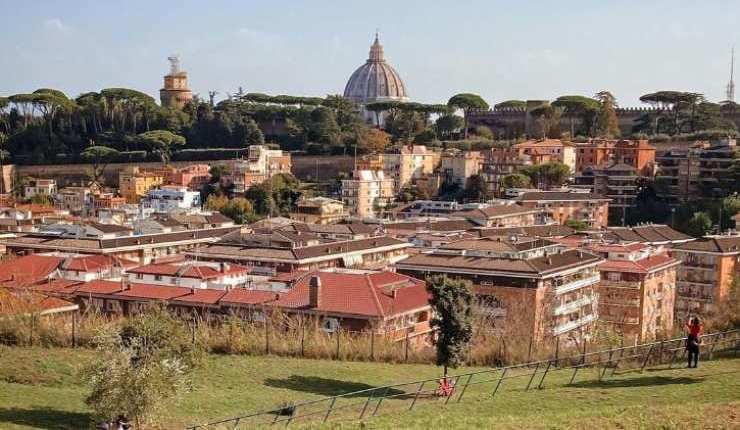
(637, 289)
(599, 153)
(709, 267)
(134, 182)
(528, 287)
(561, 207)
(193, 176)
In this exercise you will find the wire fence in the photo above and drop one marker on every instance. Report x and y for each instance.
(563, 371)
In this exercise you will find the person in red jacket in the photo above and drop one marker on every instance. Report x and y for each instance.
(692, 340)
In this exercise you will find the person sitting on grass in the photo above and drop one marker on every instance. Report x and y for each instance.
(692, 340)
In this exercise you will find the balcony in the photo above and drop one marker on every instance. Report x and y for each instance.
(695, 297)
(609, 301)
(621, 284)
(695, 281)
(623, 320)
(579, 283)
(573, 306)
(572, 325)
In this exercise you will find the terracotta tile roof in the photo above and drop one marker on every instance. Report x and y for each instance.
(645, 265)
(616, 247)
(498, 244)
(724, 245)
(359, 294)
(153, 292)
(201, 296)
(110, 228)
(56, 286)
(28, 270)
(95, 287)
(243, 296)
(560, 196)
(554, 230)
(94, 263)
(189, 270)
(654, 233)
(534, 267)
(446, 225)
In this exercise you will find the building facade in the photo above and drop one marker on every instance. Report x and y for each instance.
(368, 193)
(561, 207)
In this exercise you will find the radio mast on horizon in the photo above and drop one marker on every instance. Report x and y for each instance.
(731, 84)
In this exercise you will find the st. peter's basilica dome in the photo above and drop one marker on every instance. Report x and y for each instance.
(375, 80)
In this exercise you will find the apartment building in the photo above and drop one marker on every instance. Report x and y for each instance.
(42, 187)
(190, 274)
(637, 289)
(704, 169)
(319, 210)
(287, 249)
(410, 163)
(134, 182)
(193, 176)
(503, 215)
(170, 198)
(457, 166)
(261, 164)
(543, 151)
(598, 153)
(368, 193)
(499, 162)
(709, 266)
(618, 182)
(527, 286)
(561, 207)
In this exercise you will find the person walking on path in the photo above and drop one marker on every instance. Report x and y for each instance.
(692, 340)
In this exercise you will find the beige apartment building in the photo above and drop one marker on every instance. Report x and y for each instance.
(319, 210)
(261, 164)
(410, 163)
(458, 166)
(709, 267)
(542, 151)
(368, 193)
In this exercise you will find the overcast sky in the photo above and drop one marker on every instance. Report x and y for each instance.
(499, 49)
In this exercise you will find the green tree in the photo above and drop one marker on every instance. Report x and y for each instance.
(447, 125)
(467, 102)
(239, 209)
(516, 180)
(252, 134)
(452, 303)
(607, 124)
(511, 104)
(99, 157)
(141, 367)
(162, 142)
(547, 175)
(578, 107)
(699, 225)
(548, 117)
(475, 189)
(484, 132)
(577, 225)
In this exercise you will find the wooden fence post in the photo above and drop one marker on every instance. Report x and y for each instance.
(303, 338)
(267, 336)
(372, 345)
(337, 333)
(74, 329)
(406, 352)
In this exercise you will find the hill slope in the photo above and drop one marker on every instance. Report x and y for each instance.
(39, 389)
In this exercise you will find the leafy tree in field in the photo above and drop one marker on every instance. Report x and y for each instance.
(607, 124)
(467, 102)
(452, 302)
(99, 157)
(511, 104)
(516, 180)
(162, 142)
(141, 367)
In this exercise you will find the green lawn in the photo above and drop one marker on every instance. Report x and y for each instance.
(39, 389)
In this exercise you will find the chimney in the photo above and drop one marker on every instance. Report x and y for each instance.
(394, 293)
(314, 292)
(222, 267)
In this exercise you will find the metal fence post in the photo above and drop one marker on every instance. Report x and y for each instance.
(416, 396)
(369, 398)
(500, 379)
(606, 365)
(454, 385)
(331, 408)
(573, 377)
(406, 352)
(377, 405)
(462, 393)
(647, 358)
(544, 375)
(532, 377)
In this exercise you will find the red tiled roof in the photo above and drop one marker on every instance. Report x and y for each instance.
(243, 296)
(96, 287)
(154, 292)
(94, 263)
(27, 270)
(189, 270)
(359, 294)
(640, 266)
(202, 296)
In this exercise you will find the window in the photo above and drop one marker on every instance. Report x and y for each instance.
(157, 277)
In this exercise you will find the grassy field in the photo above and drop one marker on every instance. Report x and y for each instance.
(39, 389)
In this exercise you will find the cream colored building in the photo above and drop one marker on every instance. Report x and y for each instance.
(458, 166)
(319, 210)
(411, 163)
(261, 163)
(368, 193)
(547, 150)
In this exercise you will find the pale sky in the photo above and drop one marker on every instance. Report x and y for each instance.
(499, 49)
